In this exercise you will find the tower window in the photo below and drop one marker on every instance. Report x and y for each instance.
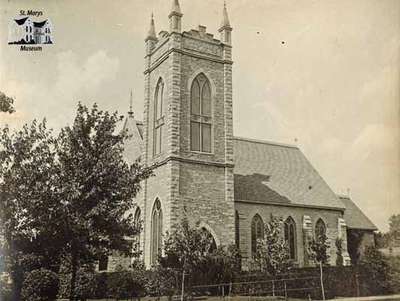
(290, 237)
(158, 117)
(257, 232)
(156, 232)
(201, 120)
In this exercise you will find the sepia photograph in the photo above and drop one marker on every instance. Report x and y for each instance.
(199, 150)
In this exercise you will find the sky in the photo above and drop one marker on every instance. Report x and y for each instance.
(323, 75)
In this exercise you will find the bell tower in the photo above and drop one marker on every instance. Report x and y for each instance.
(188, 132)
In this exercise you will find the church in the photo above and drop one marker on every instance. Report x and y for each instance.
(229, 185)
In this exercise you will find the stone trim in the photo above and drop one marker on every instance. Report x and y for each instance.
(180, 159)
(188, 53)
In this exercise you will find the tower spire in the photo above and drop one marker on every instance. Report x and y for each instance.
(175, 7)
(152, 30)
(130, 112)
(225, 28)
(225, 18)
(175, 17)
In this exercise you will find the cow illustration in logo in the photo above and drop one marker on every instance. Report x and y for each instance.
(24, 30)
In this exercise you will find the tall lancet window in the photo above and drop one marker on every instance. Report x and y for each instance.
(201, 120)
(158, 117)
(156, 232)
(290, 237)
(136, 240)
(320, 229)
(257, 232)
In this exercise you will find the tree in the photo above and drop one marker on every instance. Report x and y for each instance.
(377, 269)
(67, 197)
(6, 103)
(96, 188)
(28, 208)
(394, 228)
(318, 252)
(272, 253)
(185, 249)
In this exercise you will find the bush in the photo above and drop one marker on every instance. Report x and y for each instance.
(40, 285)
(123, 284)
(5, 288)
(375, 270)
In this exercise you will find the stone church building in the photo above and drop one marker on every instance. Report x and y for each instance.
(230, 185)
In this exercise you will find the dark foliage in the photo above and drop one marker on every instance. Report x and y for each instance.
(40, 285)
(6, 103)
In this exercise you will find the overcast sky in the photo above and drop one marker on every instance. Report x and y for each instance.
(320, 74)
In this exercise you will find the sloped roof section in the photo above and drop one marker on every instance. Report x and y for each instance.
(21, 21)
(354, 217)
(278, 173)
(134, 143)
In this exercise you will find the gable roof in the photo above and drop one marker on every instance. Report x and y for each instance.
(275, 173)
(133, 144)
(39, 24)
(21, 21)
(354, 217)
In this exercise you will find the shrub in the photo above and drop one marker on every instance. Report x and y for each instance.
(40, 285)
(161, 281)
(123, 284)
(375, 270)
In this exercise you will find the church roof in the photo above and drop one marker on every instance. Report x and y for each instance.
(133, 144)
(39, 24)
(21, 21)
(354, 217)
(272, 173)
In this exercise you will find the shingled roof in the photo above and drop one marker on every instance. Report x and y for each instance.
(133, 144)
(275, 173)
(355, 218)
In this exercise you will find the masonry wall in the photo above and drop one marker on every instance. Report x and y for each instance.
(248, 210)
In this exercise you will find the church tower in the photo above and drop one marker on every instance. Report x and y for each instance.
(188, 133)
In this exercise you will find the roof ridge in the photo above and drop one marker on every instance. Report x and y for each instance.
(265, 142)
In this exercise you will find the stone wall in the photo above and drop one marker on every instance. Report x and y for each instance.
(299, 214)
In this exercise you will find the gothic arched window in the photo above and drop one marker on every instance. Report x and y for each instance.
(257, 232)
(158, 117)
(156, 232)
(211, 240)
(200, 108)
(237, 234)
(137, 221)
(290, 236)
(320, 229)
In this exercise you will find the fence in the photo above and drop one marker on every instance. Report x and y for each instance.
(308, 287)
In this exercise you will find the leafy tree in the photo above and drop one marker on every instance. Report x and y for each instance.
(272, 253)
(6, 103)
(96, 188)
(28, 209)
(67, 197)
(318, 252)
(186, 250)
(394, 228)
(376, 266)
